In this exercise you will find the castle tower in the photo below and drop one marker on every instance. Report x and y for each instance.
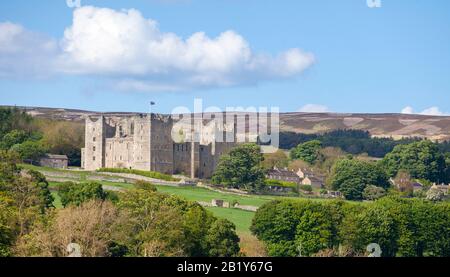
(94, 151)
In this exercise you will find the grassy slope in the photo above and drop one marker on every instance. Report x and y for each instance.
(242, 219)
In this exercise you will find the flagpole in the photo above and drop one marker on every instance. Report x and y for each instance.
(151, 105)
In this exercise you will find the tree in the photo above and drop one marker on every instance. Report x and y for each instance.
(373, 193)
(222, 240)
(75, 194)
(12, 138)
(30, 150)
(422, 160)
(278, 159)
(41, 183)
(308, 151)
(6, 227)
(14, 119)
(241, 168)
(314, 231)
(351, 177)
(91, 225)
(197, 223)
(63, 137)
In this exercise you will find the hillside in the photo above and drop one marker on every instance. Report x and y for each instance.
(382, 125)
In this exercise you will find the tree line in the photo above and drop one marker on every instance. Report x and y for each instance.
(351, 141)
(31, 138)
(140, 222)
(401, 227)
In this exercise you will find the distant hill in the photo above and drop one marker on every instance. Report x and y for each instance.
(381, 125)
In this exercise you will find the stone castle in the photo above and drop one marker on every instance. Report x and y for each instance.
(145, 142)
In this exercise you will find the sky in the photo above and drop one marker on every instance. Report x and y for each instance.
(310, 56)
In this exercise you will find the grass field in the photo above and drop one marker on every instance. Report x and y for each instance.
(242, 219)
(206, 195)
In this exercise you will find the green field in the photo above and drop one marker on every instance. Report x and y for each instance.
(242, 219)
(206, 195)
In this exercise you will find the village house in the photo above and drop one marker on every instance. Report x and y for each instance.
(317, 182)
(54, 161)
(283, 175)
(443, 188)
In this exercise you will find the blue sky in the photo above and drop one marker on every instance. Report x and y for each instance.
(349, 58)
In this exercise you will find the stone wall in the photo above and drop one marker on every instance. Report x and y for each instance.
(54, 163)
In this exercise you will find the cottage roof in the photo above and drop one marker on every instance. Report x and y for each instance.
(54, 156)
(282, 173)
(315, 179)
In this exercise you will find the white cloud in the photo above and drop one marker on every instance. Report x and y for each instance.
(433, 111)
(313, 108)
(407, 110)
(23, 52)
(130, 49)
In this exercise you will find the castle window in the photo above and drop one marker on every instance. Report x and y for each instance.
(93, 148)
(93, 129)
(120, 157)
(93, 158)
(93, 139)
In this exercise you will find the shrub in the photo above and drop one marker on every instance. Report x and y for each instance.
(373, 192)
(76, 194)
(144, 185)
(306, 188)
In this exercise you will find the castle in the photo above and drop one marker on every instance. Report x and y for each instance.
(145, 142)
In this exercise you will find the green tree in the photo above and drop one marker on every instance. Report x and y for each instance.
(14, 119)
(197, 222)
(12, 138)
(314, 231)
(275, 223)
(278, 159)
(76, 194)
(30, 150)
(351, 177)
(422, 160)
(308, 151)
(373, 192)
(44, 192)
(241, 168)
(222, 240)
(6, 228)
